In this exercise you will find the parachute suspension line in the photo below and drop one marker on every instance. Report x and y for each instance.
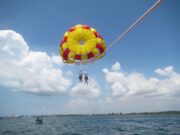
(83, 68)
(79, 67)
(86, 67)
(132, 26)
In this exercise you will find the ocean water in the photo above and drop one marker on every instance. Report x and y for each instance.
(93, 125)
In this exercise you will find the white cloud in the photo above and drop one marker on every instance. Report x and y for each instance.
(134, 84)
(116, 67)
(12, 45)
(132, 92)
(118, 89)
(30, 71)
(90, 90)
(167, 71)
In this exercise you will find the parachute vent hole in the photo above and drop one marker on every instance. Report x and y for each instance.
(81, 42)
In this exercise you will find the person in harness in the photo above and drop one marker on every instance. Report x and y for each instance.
(86, 78)
(80, 77)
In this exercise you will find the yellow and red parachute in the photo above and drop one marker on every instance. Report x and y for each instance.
(81, 45)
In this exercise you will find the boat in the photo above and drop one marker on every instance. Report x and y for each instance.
(39, 120)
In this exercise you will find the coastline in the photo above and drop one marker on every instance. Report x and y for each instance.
(97, 114)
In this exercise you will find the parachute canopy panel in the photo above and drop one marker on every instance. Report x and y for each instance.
(81, 45)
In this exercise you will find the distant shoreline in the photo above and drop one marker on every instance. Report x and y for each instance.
(137, 113)
(132, 113)
(95, 114)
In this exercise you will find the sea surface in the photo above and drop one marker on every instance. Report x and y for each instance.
(93, 125)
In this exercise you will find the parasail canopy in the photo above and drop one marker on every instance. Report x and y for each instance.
(82, 45)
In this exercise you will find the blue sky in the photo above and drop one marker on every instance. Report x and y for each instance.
(152, 45)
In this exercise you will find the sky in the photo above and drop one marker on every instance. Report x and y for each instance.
(141, 73)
